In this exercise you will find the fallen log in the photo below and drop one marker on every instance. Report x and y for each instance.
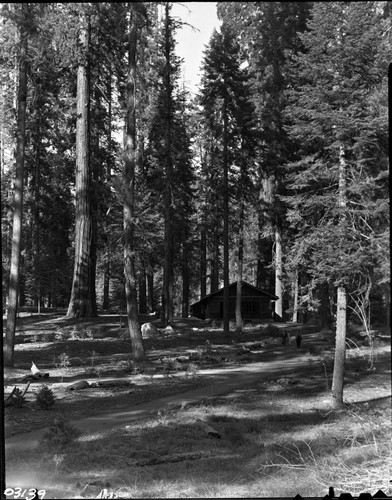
(178, 457)
(113, 383)
(35, 377)
(77, 386)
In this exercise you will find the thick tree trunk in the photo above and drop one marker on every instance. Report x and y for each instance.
(129, 198)
(278, 275)
(18, 193)
(341, 313)
(81, 303)
(340, 348)
(95, 202)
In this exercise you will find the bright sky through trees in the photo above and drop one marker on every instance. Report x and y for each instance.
(202, 18)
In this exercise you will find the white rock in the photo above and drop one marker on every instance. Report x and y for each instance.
(149, 330)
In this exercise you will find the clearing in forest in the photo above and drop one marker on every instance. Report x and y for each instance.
(248, 416)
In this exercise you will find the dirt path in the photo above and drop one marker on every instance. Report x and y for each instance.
(228, 380)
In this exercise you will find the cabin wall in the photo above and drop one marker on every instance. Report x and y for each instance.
(251, 309)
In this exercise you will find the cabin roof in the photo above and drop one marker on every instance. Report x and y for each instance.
(231, 285)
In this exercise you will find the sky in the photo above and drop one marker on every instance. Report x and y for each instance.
(191, 43)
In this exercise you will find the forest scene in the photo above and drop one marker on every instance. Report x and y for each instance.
(195, 283)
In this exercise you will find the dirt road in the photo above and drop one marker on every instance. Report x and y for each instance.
(228, 381)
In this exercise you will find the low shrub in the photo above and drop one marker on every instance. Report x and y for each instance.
(45, 398)
(60, 434)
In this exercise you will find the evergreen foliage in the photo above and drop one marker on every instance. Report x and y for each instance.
(45, 398)
(276, 172)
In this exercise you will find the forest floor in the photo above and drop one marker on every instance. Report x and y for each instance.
(274, 436)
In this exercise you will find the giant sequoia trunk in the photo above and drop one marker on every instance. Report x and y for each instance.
(82, 301)
(341, 302)
(129, 196)
(18, 192)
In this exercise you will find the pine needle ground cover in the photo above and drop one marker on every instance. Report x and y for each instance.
(277, 437)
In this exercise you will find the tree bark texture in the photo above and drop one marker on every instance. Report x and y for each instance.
(278, 274)
(341, 302)
(129, 196)
(340, 348)
(82, 299)
(18, 191)
(295, 297)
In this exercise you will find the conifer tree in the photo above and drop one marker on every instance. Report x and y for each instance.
(129, 190)
(336, 181)
(22, 16)
(266, 31)
(82, 301)
(228, 114)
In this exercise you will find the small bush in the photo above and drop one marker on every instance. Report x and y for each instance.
(60, 434)
(64, 361)
(59, 334)
(45, 398)
(192, 370)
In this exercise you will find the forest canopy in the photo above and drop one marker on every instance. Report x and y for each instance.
(122, 191)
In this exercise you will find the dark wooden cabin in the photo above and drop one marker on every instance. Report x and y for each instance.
(256, 303)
